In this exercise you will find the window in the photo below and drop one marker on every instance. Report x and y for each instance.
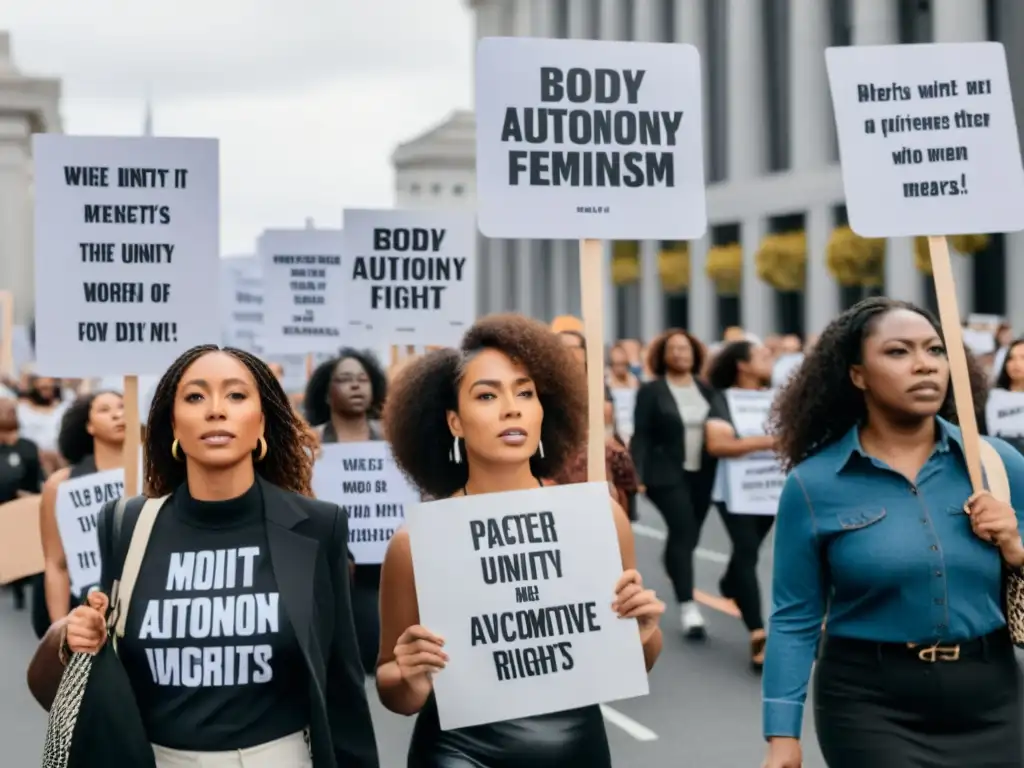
(627, 19)
(561, 20)
(775, 31)
(717, 82)
(435, 189)
(459, 190)
(666, 21)
(414, 189)
(915, 21)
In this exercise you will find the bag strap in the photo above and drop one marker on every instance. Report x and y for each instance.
(121, 591)
(995, 471)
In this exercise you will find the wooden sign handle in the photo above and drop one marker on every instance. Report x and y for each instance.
(949, 316)
(592, 288)
(132, 436)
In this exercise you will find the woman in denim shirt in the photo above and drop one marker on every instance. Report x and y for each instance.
(917, 669)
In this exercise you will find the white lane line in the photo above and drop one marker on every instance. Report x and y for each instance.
(658, 535)
(628, 724)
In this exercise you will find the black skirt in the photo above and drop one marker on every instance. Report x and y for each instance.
(882, 706)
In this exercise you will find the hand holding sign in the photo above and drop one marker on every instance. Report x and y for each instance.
(632, 601)
(418, 655)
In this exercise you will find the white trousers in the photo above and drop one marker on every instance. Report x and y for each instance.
(288, 752)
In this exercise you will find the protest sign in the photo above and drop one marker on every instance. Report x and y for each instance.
(1004, 413)
(928, 139)
(79, 502)
(242, 303)
(302, 290)
(126, 247)
(363, 479)
(751, 484)
(520, 586)
(929, 146)
(21, 547)
(410, 276)
(589, 139)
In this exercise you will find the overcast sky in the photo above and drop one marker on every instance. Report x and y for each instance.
(307, 97)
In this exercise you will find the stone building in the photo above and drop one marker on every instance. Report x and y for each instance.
(771, 162)
(28, 105)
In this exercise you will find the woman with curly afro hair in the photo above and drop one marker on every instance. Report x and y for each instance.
(238, 634)
(879, 532)
(91, 439)
(343, 402)
(502, 413)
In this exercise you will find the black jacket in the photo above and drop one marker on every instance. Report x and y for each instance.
(657, 444)
(308, 541)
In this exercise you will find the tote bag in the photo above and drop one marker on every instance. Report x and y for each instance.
(94, 720)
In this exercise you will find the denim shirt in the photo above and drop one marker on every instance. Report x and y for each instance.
(889, 560)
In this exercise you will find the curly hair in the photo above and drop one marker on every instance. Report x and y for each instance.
(290, 447)
(1003, 379)
(724, 368)
(415, 415)
(314, 403)
(820, 404)
(656, 352)
(74, 441)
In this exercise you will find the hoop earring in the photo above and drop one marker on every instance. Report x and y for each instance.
(540, 449)
(456, 453)
(174, 450)
(261, 445)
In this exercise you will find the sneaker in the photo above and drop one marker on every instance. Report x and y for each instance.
(692, 622)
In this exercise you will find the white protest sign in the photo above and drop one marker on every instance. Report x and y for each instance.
(242, 303)
(78, 504)
(928, 139)
(302, 290)
(1004, 413)
(520, 586)
(363, 479)
(127, 241)
(410, 276)
(752, 484)
(589, 139)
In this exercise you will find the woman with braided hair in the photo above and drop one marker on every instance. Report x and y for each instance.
(878, 532)
(238, 641)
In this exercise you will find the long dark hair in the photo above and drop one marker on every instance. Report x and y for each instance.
(289, 460)
(819, 404)
(725, 368)
(74, 441)
(1003, 379)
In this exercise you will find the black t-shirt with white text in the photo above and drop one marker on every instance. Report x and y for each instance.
(213, 660)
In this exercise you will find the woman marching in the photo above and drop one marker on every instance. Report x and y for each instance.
(91, 440)
(676, 472)
(501, 414)
(238, 643)
(741, 365)
(343, 402)
(878, 527)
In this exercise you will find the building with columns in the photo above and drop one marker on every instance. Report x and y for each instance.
(27, 105)
(777, 256)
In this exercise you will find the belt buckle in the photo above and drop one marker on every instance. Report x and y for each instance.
(931, 654)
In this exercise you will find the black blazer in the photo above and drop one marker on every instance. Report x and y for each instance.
(657, 444)
(308, 542)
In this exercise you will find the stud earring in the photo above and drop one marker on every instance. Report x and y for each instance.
(174, 450)
(456, 453)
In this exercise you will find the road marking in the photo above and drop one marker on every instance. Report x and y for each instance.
(628, 724)
(658, 535)
(720, 604)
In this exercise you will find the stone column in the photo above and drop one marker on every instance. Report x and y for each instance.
(811, 128)
(821, 294)
(498, 256)
(876, 23)
(745, 140)
(652, 297)
(579, 18)
(961, 21)
(560, 266)
(701, 292)
(610, 25)
(611, 309)
(17, 270)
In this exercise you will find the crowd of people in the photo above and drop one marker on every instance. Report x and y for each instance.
(882, 549)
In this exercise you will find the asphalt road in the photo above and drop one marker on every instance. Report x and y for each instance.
(703, 709)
